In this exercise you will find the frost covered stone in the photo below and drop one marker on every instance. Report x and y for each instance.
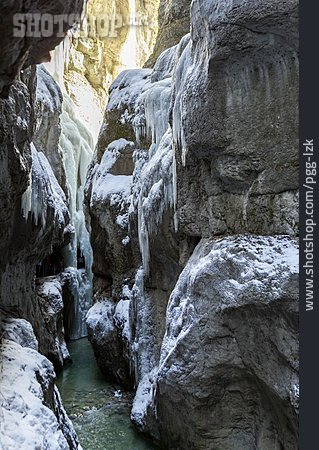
(104, 322)
(27, 394)
(231, 337)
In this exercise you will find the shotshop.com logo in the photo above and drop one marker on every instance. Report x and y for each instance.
(103, 25)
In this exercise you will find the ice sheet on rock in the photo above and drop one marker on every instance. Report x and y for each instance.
(164, 65)
(127, 87)
(143, 340)
(156, 193)
(47, 91)
(122, 318)
(44, 192)
(156, 101)
(184, 73)
(112, 187)
(19, 331)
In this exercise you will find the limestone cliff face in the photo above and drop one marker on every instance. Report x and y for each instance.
(96, 57)
(173, 23)
(203, 146)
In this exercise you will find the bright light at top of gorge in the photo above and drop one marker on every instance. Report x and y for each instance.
(129, 52)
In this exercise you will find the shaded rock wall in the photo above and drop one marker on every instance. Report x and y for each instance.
(34, 214)
(21, 52)
(235, 120)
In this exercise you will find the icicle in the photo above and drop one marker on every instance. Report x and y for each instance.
(175, 189)
(43, 191)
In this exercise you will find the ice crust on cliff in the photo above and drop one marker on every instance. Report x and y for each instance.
(260, 266)
(100, 318)
(225, 276)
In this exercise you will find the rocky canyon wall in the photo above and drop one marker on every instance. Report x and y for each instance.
(35, 226)
(115, 35)
(193, 203)
(45, 150)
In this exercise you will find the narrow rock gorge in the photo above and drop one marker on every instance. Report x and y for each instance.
(149, 202)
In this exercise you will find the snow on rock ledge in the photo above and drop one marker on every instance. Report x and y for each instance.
(31, 413)
(230, 352)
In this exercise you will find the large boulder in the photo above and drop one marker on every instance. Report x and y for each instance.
(228, 372)
(52, 340)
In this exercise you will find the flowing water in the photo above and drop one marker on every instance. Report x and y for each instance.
(98, 409)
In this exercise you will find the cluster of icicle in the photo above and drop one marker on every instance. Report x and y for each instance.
(43, 193)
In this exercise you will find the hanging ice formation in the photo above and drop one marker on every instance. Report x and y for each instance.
(77, 147)
(157, 189)
(43, 192)
(76, 144)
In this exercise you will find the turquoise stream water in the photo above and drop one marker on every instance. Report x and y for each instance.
(98, 409)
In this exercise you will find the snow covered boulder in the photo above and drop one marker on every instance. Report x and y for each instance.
(106, 323)
(31, 413)
(228, 373)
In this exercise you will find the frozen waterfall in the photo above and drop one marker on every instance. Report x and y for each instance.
(76, 144)
(77, 147)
